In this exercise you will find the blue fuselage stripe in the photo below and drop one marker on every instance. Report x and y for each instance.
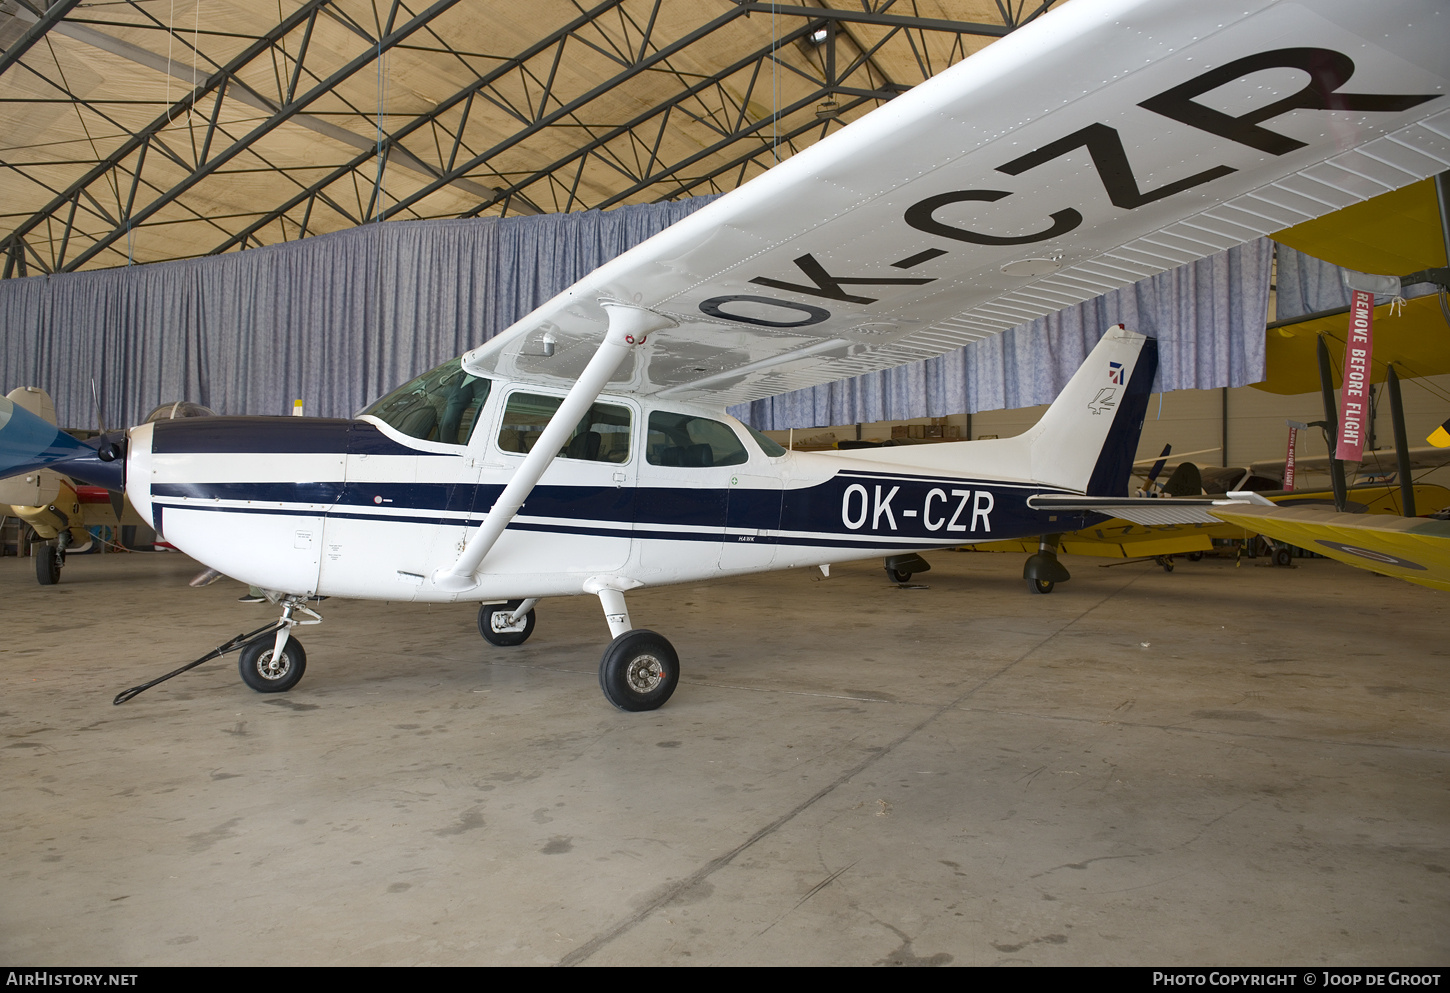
(851, 509)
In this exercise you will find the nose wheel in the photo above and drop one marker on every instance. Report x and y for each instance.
(268, 671)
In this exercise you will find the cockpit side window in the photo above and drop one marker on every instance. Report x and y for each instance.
(602, 435)
(441, 405)
(692, 442)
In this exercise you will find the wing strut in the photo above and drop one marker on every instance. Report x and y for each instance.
(628, 328)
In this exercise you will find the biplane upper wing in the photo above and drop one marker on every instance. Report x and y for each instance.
(1414, 549)
(1102, 143)
(1379, 462)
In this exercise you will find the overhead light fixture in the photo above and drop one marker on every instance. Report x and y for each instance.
(828, 109)
(819, 35)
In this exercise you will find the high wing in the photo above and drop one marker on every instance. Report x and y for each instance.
(1414, 549)
(1104, 142)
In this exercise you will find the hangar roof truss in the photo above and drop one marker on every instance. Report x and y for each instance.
(145, 130)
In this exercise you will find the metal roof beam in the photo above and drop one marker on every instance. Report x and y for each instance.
(110, 162)
(389, 140)
(52, 17)
(282, 115)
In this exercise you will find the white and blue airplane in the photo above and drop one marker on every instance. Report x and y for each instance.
(586, 448)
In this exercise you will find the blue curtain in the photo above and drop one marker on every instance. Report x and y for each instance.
(1208, 317)
(340, 319)
(1306, 285)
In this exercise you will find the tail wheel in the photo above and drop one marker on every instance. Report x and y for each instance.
(639, 671)
(898, 575)
(1043, 586)
(266, 674)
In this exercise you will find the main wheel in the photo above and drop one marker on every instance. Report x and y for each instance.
(639, 671)
(1283, 557)
(898, 575)
(1165, 562)
(48, 560)
(1040, 585)
(267, 675)
(494, 625)
(1194, 556)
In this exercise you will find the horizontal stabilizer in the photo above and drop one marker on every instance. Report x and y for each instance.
(1149, 510)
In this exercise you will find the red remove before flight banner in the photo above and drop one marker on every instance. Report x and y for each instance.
(1354, 397)
(1289, 460)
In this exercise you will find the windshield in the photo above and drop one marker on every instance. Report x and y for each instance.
(441, 405)
(767, 444)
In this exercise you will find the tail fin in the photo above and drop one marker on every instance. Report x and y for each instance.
(1088, 437)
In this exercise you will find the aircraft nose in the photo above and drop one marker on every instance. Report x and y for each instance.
(28, 442)
(138, 470)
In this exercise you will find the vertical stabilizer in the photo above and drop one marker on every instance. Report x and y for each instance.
(1088, 437)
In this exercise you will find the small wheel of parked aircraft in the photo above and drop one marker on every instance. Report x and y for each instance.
(1194, 556)
(1283, 557)
(497, 629)
(266, 675)
(639, 670)
(1040, 586)
(1166, 561)
(48, 560)
(898, 575)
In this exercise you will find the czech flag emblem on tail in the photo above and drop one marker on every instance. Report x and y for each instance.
(1115, 373)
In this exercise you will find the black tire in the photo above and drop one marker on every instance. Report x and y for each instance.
(1194, 556)
(898, 575)
(1166, 561)
(503, 639)
(1043, 586)
(48, 560)
(639, 671)
(1283, 557)
(257, 670)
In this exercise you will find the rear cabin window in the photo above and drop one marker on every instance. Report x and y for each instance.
(441, 405)
(691, 442)
(602, 435)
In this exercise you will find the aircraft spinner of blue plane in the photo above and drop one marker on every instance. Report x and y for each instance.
(586, 448)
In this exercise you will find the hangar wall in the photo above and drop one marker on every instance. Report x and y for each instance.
(1208, 317)
(337, 320)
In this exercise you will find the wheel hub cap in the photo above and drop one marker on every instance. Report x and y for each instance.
(271, 667)
(645, 673)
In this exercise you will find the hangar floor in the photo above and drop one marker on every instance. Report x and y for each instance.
(1214, 766)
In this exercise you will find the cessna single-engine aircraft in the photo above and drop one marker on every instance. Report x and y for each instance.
(585, 449)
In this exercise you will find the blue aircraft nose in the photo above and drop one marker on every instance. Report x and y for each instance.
(28, 442)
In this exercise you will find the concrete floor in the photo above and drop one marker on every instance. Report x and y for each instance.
(1215, 766)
